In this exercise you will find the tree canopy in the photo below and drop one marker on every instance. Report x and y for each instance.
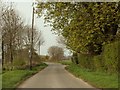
(85, 26)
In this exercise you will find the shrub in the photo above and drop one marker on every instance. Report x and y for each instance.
(86, 61)
(110, 56)
(98, 63)
(107, 61)
(19, 64)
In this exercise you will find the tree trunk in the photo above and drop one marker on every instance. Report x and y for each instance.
(11, 55)
(2, 53)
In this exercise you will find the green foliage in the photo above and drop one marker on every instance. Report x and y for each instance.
(10, 79)
(111, 56)
(19, 63)
(107, 61)
(39, 67)
(21, 60)
(97, 79)
(98, 63)
(85, 26)
(86, 61)
(0, 81)
(66, 62)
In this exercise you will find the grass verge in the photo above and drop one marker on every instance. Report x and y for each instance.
(66, 62)
(96, 79)
(11, 79)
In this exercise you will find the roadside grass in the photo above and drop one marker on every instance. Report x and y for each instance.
(0, 76)
(66, 62)
(11, 79)
(96, 79)
(0, 81)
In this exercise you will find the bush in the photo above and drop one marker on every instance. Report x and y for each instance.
(110, 56)
(98, 63)
(107, 61)
(19, 64)
(86, 61)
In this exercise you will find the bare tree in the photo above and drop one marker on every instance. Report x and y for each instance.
(11, 28)
(15, 36)
(38, 39)
(56, 53)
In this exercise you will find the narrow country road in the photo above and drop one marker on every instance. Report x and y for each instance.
(54, 76)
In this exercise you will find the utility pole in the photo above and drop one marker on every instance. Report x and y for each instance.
(31, 51)
(39, 47)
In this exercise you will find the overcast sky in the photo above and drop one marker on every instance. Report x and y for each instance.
(25, 11)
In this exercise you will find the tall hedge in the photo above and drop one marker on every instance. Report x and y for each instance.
(86, 61)
(110, 56)
(107, 61)
(98, 63)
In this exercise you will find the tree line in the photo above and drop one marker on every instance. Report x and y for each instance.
(16, 37)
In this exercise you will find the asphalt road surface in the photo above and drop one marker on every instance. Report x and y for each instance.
(54, 76)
